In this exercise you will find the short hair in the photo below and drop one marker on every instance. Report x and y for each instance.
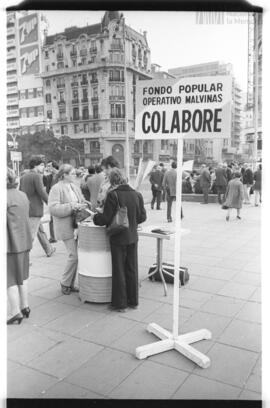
(91, 170)
(116, 178)
(12, 181)
(103, 163)
(237, 174)
(161, 164)
(64, 169)
(35, 161)
(55, 165)
(174, 165)
(98, 169)
(110, 161)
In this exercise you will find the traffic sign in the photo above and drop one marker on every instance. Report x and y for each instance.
(16, 156)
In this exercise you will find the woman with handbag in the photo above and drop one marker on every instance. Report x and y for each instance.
(65, 198)
(123, 240)
(234, 196)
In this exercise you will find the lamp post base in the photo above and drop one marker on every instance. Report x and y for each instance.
(180, 343)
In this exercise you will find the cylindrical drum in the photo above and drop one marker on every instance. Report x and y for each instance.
(94, 264)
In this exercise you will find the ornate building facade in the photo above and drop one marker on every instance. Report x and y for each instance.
(85, 71)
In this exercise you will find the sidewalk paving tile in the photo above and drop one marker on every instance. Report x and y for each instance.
(256, 296)
(174, 359)
(242, 334)
(207, 285)
(231, 263)
(228, 364)
(237, 290)
(74, 321)
(223, 305)
(36, 283)
(65, 390)
(28, 383)
(250, 395)
(50, 292)
(250, 312)
(11, 366)
(105, 371)
(106, 330)
(254, 383)
(164, 316)
(34, 345)
(196, 387)
(48, 312)
(65, 357)
(146, 307)
(150, 380)
(248, 277)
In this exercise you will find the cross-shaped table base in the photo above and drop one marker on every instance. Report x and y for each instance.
(180, 343)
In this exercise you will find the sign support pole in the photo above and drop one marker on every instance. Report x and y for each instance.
(170, 341)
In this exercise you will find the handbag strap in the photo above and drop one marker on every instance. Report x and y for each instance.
(118, 206)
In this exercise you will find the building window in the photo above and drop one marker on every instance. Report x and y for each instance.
(62, 114)
(48, 98)
(49, 114)
(85, 113)
(60, 82)
(63, 130)
(61, 96)
(94, 147)
(137, 147)
(39, 92)
(76, 114)
(86, 128)
(117, 110)
(30, 93)
(23, 113)
(83, 61)
(118, 127)
(95, 91)
(85, 95)
(47, 68)
(40, 111)
(60, 65)
(116, 75)
(76, 129)
(95, 127)
(84, 79)
(164, 145)
(75, 95)
(23, 94)
(95, 111)
(32, 112)
(46, 54)
(74, 63)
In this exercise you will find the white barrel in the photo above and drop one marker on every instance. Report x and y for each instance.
(94, 264)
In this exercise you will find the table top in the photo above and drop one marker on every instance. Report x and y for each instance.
(146, 231)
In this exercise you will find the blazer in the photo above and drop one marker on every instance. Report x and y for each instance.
(221, 177)
(156, 177)
(31, 183)
(19, 237)
(93, 183)
(60, 208)
(205, 178)
(136, 213)
(169, 182)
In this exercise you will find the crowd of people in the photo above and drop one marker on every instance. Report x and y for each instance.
(103, 190)
(232, 183)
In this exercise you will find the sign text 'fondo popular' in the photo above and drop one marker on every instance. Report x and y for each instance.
(197, 107)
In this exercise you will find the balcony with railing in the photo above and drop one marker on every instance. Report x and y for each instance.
(84, 100)
(116, 79)
(73, 54)
(94, 99)
(75, 101)
(93, 50)
(113, 98)
(83, 52)
(63, 119)
(84, 83)
(94, 81)
(59, 56)
(117, 47)
(61, 103)
(61, 85)
(74, 84)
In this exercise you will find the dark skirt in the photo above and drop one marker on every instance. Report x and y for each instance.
(17, 268)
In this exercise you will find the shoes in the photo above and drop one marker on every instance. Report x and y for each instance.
(159, 208)
(227, 218)
(122, 310)
(26, 312)
(74, 289)
(15, 319)
(133, 306)
(256, 205)
(203, 203)
(169, 219)
(152, 207)
(65, 289)
(52, 241)
(238, 217)
(50, 253)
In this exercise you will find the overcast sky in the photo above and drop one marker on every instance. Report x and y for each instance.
(175, 38)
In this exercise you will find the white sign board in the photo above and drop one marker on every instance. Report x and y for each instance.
(195, 108)
(16, 156)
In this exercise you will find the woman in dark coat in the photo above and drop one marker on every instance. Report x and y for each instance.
(258, 185)
(234, 195)
(19, 243)
(124, 244)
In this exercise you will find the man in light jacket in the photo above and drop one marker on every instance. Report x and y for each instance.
(169, 184)
(205, 182)
(221, 182)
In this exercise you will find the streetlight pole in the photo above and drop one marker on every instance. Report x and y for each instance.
(256, 38)
(126, 101)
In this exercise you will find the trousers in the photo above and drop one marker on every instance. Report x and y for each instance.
(124, 275)
(43, 240)
(52, 236)
(69, 275)
(156, 196)
(170, 200)
(205, 190)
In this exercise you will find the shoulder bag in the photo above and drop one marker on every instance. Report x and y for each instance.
(120, 220)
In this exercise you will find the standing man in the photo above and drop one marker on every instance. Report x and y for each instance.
(93, 184)
(247, 177)
(163, 171)
(49, 180)
(156, 179)
(169, 185)
(221, 182)
(205, 182)
(31, 184)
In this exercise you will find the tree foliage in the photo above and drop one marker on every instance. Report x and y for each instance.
(46, 144)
